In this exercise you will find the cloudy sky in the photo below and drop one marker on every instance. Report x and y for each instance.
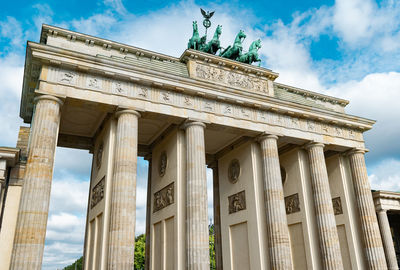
(345, 48)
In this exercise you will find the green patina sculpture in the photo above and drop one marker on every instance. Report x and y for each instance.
(251, 56)
(214, 45)
(233, 52)
(194, 42)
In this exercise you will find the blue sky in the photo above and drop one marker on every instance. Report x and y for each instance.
(345, 48)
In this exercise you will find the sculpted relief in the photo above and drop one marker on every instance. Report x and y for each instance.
(237, 202)
(163, 197)
(97, 193)
(233, 79)
(205, 104)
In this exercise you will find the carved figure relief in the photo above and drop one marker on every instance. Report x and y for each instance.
(230, 78)
(311, 125)
(188, 101)
(209, 105)
(237, 202)
(97, 193)
(68, 77)
(94, 83)
(292, 204)
(162, 164)
(234, 171)
(99, 156)
(337, 206)
(163, 197)
(118, 88)
(166, 96)
(227, 109)
(143, 92)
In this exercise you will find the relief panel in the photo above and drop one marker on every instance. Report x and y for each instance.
(163, 197)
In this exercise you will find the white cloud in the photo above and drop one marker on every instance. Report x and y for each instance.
(386, 175)
(376, 97)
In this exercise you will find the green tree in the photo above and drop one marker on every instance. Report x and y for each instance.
(76, 265)
(140, 246)
(211, 241)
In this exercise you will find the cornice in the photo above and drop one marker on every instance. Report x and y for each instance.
(314, 95)
(71, 35)
(386, 195)
(228, 63)
(55, 56)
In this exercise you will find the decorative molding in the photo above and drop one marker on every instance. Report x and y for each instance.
(237, 202)
(234, 171)
(337, 206)
(163, 197)
(204, 104)
(97, 193)
(162, 164)
(292, 204)
(230, 78)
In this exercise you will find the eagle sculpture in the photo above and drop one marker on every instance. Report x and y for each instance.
(206, 15)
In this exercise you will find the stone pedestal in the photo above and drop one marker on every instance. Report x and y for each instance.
(369, 224)
(35, 198)
(327, 231)
(123, 198)
(277, 228)
(197, 246)
(387, 240)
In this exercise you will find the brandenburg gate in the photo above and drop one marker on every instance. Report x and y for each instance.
(290, 185)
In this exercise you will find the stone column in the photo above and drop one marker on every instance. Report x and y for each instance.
(387, 240)
(217, 217)
(121, 243)
(326, 223)
(35, 198)
(197, 253)
(369, 224)
(277, 228)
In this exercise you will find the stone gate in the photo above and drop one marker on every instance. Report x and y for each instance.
(290, 184)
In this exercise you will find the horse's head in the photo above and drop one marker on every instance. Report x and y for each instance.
(240, 36)
(195, 26)
(218, 30)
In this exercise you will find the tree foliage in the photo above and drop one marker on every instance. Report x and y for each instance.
(140, 246)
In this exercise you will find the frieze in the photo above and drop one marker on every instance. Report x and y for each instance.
(97, 193)
(220, 107)
(230, 78)
(163, 197)
(337, 206)
(292, 204)
(237, 202)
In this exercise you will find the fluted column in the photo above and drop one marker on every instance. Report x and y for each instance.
(277, 228)
(369, 224)
(35, 198)
(387, 240)
(197, 250)
(326, 223)
(121, 245)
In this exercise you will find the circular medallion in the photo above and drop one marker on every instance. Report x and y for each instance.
(234, 171)
(162, 164)
(206, 23)
(99, 156)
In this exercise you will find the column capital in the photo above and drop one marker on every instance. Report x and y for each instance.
(130, 111)
(265, 136)
(310, 145)
(190, 123)
(381, 210)
(48, 97)
(357, 151)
